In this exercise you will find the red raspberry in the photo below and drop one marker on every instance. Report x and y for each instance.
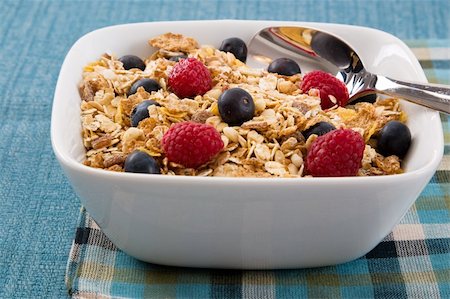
(328, 86)
(191, 144)
(336, 153)
(189, 77)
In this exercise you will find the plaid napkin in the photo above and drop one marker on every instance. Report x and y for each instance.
(413, 261)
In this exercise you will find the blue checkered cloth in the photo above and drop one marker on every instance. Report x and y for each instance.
(413, 261)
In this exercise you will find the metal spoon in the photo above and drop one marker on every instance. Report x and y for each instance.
(321, 50)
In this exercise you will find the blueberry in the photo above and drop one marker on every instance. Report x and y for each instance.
(141, 162)
(284, 66)
(236, 106)
(148, 84)
(369, 98)
(140, 112)
(178, 57)
(236, 46)
(319, 129)
(394, 139)
(132, 62)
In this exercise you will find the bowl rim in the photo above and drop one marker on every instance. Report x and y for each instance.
(76, 166)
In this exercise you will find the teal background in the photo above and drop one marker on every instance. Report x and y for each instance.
(38, 208)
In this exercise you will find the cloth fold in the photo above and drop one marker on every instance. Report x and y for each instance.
(413, 261)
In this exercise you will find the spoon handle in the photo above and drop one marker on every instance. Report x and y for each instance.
(433, 96)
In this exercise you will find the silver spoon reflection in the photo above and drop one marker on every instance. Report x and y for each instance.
(321, 50)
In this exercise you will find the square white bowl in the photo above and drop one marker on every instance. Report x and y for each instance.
(247, 223)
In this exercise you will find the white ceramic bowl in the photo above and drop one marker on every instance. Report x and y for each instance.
(246, 223)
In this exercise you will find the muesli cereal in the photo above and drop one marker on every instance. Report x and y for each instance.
(121, 113)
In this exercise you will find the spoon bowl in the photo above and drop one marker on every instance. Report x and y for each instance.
(316, 49)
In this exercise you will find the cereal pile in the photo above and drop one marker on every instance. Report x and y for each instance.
(270, 144)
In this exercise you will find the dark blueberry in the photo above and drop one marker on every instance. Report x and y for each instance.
(132, 62)
(140, 162)
(369, 98)
(319, 129)
(140, 112)
(284, 66)
(178, 57)
(236, 46)
(394, 139)
(148, 84)
(236, 106)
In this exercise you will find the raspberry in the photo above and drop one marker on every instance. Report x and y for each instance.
(337, 153)
(191, 144)
(189, 77)
(328, 86)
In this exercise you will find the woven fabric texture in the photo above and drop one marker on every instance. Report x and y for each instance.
(38, 208)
